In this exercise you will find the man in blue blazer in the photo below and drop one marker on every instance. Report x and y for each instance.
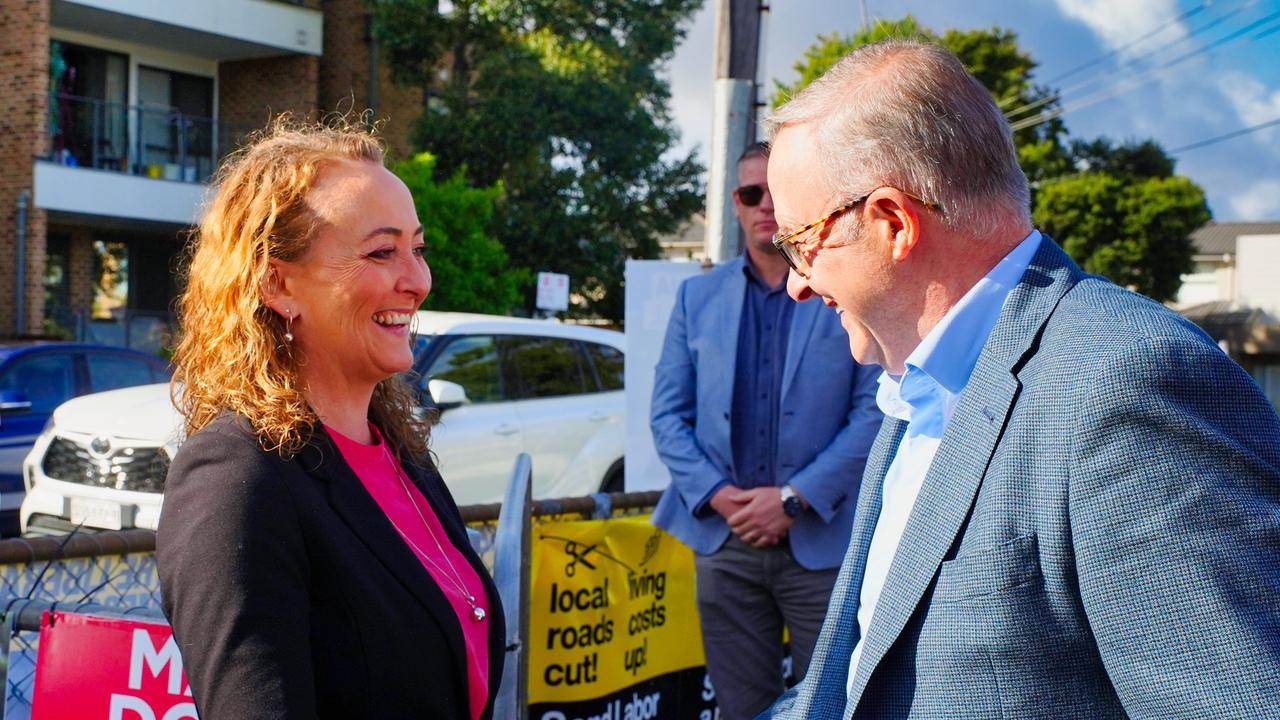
(1073, 507)
(764, 468)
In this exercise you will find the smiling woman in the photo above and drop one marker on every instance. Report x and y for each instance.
(304, 516)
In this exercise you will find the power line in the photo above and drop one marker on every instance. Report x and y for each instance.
(1131, 64)
(1232, 36)
(1141, 78)
(1102, 58)
(1266, 32)
(1228, 136)
(1107, 56)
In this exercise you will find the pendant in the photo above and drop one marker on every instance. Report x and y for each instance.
(477, 613)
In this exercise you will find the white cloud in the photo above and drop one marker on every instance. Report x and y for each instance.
(1260, 202)
(1119, 23)
(1252, 100)
(691, 77)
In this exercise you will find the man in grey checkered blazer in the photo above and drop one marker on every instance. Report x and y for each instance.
(1072, 509)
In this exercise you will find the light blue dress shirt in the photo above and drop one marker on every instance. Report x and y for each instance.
(925, 396)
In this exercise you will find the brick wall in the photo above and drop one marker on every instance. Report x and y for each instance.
(344, 72)
(400, 108)
(80, 277)
(24, 55)
(250, 92)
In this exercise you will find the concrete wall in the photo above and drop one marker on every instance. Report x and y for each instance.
(1258, 272)
(276, 25)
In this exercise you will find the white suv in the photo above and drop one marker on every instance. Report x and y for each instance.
(504, 386)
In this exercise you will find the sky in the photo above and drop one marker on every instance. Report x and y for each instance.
(1225, 84)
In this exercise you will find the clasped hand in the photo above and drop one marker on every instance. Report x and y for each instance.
(755, 515)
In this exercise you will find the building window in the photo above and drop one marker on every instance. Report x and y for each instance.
(111, 275)
(57, 285)
(88, 112)
(176, 126)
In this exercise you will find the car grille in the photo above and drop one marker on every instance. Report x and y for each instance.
(139, 469)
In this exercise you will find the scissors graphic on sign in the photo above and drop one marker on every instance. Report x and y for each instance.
(578, 555)
(571, 549)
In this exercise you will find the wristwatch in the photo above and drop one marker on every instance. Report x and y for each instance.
(791, 504)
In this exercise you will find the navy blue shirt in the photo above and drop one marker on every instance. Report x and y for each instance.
(757, 383)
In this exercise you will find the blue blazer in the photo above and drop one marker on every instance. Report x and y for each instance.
(1098, 535)
(827, 417)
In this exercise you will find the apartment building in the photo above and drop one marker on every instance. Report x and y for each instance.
(113, 115)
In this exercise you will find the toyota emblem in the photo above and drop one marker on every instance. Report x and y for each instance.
(100, 445)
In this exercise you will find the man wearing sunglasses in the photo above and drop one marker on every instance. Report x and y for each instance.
(1073, 507)
(764, 498)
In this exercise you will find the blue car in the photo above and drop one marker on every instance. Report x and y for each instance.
(35, 378)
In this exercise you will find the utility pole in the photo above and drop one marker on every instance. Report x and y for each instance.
(737, 54)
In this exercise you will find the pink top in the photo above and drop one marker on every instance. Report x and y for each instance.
(382, 477)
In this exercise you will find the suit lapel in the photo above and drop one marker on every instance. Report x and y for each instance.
(431, 485)
(358, 510)
(803, 318)
(823, 690)
(951, 485)
(728, 319)
(945, 500)
(730, 298)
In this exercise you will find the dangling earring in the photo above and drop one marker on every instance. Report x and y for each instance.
(288, 326)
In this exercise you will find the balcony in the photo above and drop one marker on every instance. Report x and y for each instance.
(217, 29)
(127, 161)
(135, 140)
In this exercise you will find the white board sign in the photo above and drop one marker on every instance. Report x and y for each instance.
(651, 293)
(553, 291)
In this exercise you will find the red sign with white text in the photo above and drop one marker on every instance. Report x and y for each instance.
(109, 669)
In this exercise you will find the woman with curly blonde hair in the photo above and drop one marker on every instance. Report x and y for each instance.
(312, 562)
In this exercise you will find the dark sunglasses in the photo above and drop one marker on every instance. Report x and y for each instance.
(751, 195)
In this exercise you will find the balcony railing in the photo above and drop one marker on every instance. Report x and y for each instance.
(136, 140)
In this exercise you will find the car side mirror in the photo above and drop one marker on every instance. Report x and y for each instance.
(12, 401)
(446, 395)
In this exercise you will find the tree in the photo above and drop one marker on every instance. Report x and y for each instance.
(468, 267)
(1118, 211)
(992, 55)
(1126, 216)
(560, 101)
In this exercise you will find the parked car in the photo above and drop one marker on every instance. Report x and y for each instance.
(35, 378)
(502, 385)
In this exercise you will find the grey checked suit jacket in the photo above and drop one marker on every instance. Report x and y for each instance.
(1098, 535)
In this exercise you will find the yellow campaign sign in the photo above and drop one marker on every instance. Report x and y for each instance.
(613, 623)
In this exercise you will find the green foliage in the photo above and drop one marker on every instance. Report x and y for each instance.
(468, 267)
(1118, 210)
(824, 52)
(992, 55)
(1130, 160)
(1134, 231)
(559, 100)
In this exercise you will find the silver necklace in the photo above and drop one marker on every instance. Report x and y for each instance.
(477, 612)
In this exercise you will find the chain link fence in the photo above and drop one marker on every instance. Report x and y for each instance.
(114, 573)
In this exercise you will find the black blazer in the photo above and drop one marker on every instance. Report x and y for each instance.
(292, 596)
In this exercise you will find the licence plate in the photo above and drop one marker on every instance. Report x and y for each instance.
(97, 513)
